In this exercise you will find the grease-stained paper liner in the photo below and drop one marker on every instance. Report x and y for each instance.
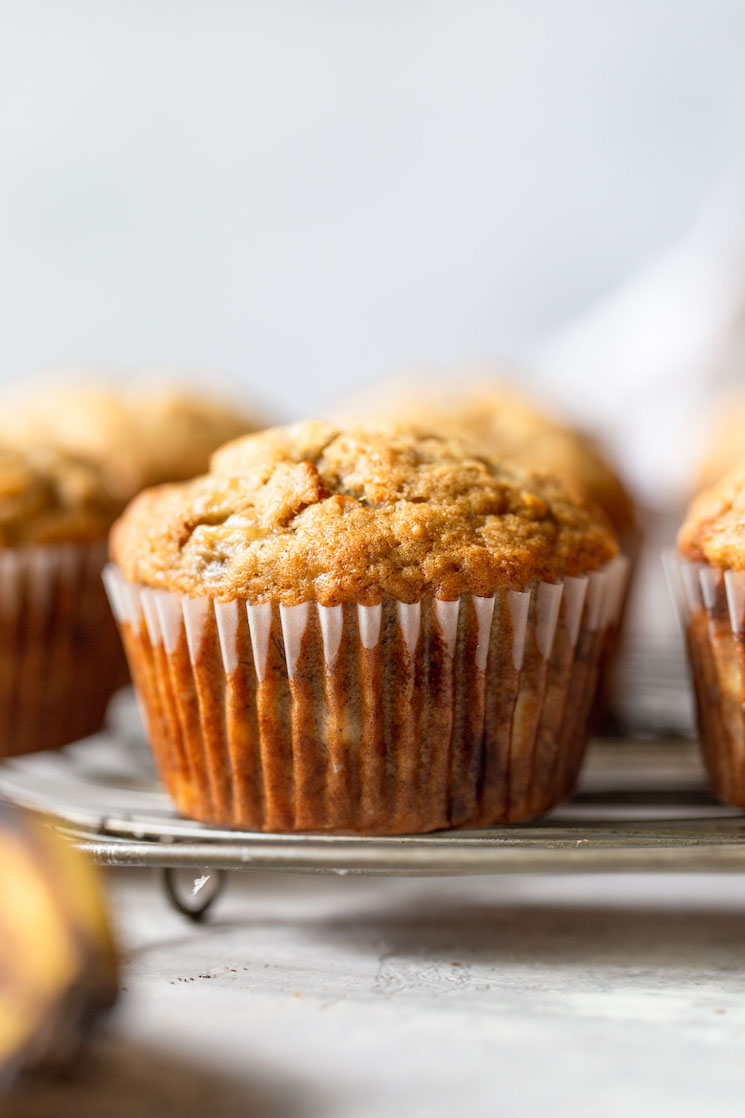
(711, 603)
(60, 654)
(381, 719)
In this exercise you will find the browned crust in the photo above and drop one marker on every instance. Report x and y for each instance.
(311, 513)
(503, 425)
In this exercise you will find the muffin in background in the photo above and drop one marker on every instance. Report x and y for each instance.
(137, 435)
(363, 631)
(71, 457)
(60, 657)
(710, 582)
(501, 424)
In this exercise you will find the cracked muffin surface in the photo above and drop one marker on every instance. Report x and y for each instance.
(313, 512)
(499, 423)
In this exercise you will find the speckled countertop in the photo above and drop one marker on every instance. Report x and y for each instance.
(366, 997)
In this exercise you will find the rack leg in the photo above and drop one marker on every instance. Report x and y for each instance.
(193, 892)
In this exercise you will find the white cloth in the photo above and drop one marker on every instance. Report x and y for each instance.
(645, 364)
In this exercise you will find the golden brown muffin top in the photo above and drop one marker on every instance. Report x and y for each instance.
(48, 497)
(136, 437)
(500, 424)
(309, 512)
(577, 461)
(714, 527)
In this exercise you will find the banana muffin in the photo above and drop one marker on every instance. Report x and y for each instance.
(362, 631)
(74, 456)
(503, 425)
(137, 436)
(710, 583)
(60, 655)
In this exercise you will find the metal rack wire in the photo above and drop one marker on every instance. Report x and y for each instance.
(642, 806)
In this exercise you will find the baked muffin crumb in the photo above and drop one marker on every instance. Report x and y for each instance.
(498, 422)
(309, 512)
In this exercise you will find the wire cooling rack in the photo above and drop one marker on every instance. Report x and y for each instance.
(642, 806)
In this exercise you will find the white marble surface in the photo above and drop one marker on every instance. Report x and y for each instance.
(363, 997)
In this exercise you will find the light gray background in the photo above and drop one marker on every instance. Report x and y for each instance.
(304, 195)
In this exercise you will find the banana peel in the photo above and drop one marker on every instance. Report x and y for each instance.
(58, 963)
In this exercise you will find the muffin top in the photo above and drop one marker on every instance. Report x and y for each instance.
(49, 497)
(714, 527)
(136, 437)
(577, 461)
(312, 512)
(500, 424)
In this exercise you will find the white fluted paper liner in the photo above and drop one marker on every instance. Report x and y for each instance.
(384, 718)
(711, 605)
(167, 614)
(60, 654)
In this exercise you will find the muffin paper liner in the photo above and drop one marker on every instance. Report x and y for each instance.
(711, 605)
(382, 719)
(60, 654)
